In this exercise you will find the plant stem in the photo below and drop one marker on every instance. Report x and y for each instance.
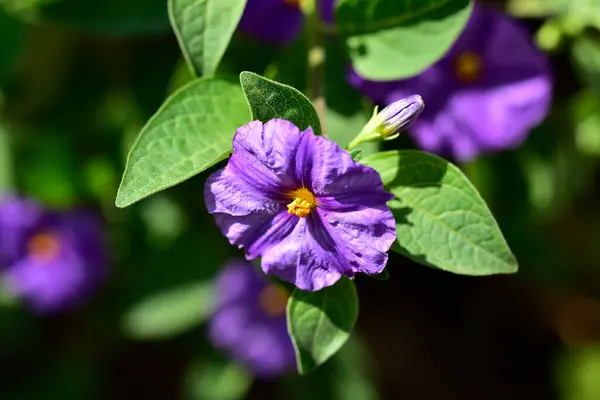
(316, 57)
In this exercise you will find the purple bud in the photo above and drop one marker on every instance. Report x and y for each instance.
(399, 115)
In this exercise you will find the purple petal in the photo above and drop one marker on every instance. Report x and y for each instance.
(301, 260)
(266, 153)
(226, 192)
(236, 281)
(271, 21)
(242, 328)
(359, 187)
(504, 113)
(327, 8)
(18, 220)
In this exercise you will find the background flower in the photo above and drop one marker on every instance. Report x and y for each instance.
(301, 203)
(250, 322)
(484, 95)
(278, 21)
(53, 261)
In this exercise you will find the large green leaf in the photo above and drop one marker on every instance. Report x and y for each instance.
(116, 17)
(191, 132)
(204, 29)
(321, 322)
(441, 219)
(269, 99)
(394, 39)
(169, 313)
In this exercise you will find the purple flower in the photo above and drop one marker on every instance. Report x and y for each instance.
(483, 96)
(250, 323)
(53, 261)
(301, 203)
(277, 21)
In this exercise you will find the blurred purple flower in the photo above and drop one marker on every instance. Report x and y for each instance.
(483, 96)
(301, 203)
(52, 261)
(278, 21)
(250, 323)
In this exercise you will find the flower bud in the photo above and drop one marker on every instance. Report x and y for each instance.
(399, 115)
(387, 124)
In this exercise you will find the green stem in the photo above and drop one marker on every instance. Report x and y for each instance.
(316, 56)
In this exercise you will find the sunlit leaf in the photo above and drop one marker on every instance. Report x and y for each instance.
(191, 132)
(204, 29)
(441, 220)
(321, 322)
(394, 39)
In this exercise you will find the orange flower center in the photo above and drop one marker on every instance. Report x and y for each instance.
(273, 300)
(303, 202)
(468, 67)
(293, 3)
(44, 246)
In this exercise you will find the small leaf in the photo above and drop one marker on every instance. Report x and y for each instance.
(216, 379)
(170, 312)
(395, 39)
(191, 132)
(320, 322)
(204, 29)
(441, 220)
(269, 99)
(356, 154)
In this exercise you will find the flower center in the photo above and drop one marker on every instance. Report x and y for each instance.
(303, 202)
(273, 300)
(468, 66)
(44, 246)
(293, 3)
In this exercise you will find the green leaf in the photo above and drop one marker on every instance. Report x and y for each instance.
(216, 379)
(169, 313)
(204, 29)
(356, 154)
(441, 220)
(269, 99)
(191, 132)
(320, 322)
(115, 17)
(395, 39)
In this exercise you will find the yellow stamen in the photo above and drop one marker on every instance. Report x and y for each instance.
(303, 202)
(273, 300)
(44, 246)
(468, 66)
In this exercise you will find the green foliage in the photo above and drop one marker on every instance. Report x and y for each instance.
(170, 312)
(216, 379)
(204, 29)
(394, 39)
(441, 220)
(321, 322)
(11, 40)
(269, 99)
(113, 17)
(6, 170)
(191, 132)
